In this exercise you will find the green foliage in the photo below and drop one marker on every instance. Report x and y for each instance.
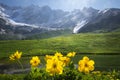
(12, 77)
(35, 74)
(67, 75)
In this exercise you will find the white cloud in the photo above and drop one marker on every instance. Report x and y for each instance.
(74, 4)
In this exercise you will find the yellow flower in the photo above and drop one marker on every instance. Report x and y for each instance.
(71, 54)
(65, 60)
(35, 61)
(16, 55)
(54, 66)
(85, 65)
(57, 54)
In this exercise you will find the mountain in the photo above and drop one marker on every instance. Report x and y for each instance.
(40, 16)
(47, 17)
(32, 20)
(106, 20)
(87, 14)
(17, 29)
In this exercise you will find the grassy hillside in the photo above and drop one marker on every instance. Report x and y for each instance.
(49, 34)
(80, 43)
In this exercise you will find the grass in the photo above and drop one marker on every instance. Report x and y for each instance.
(11, 77)
(80, 43)
(102, 62)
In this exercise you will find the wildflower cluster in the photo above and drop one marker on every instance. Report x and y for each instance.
(57, 65)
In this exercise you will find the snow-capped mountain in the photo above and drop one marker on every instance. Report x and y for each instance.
(7, 23)
(34, 19)
(107, 20)
(12, 21)
(46, 17)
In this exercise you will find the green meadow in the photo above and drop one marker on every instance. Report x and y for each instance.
(92, 43)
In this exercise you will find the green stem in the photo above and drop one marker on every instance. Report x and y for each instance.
(53, 78)
(20, 64)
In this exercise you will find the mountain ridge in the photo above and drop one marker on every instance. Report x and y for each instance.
(34, 19)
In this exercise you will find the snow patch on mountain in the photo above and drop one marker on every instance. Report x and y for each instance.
(104, 11)
(2, 31)
(2, 14)
(78, 26)
(13, 23)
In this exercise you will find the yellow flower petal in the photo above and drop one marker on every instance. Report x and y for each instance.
(71, 54)
(85, 58)
(57, 54)
(91, 62)
(65, 60)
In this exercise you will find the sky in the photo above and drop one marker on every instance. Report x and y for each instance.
(66, 5)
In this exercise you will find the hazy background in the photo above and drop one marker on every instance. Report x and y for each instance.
(66, 5)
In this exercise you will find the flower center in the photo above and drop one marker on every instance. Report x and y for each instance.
(54, 65)
(35, 61)
(15, 57)
(86, 65)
